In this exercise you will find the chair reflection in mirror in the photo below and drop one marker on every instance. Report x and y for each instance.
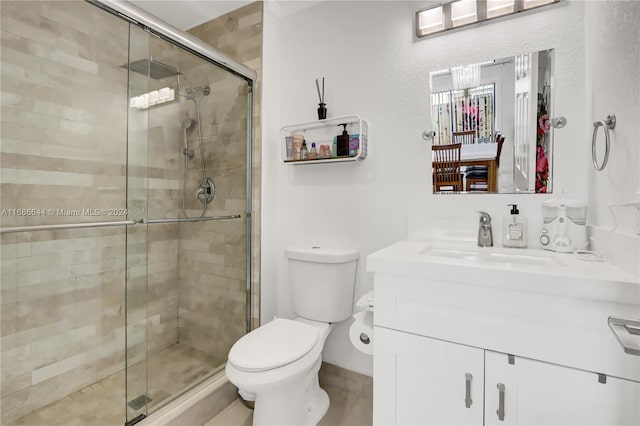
(476, 177)
(464, 138)
(447, 175)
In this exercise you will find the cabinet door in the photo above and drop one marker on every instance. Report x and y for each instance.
(422, 381)
(536, 393)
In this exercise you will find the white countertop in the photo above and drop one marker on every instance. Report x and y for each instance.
(517, 269)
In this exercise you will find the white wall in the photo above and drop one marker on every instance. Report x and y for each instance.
(613, 87)
(365, 51)
(375, 68)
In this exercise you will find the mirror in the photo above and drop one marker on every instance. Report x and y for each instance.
(499, 112)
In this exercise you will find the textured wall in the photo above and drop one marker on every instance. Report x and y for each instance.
(613, 87)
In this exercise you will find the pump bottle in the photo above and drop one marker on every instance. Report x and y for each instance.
(342, 143)
(514, 229)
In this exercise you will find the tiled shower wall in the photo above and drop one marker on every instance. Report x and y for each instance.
(239, 35)
(212, 260)
(63, 147)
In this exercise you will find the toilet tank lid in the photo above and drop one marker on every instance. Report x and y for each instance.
(322, 254)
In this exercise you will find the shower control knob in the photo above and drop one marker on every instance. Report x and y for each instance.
(544, 240)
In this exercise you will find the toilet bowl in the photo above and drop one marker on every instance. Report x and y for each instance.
(277, 366)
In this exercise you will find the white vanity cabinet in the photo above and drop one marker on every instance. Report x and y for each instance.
(539, 393)
(424, 381)
(444, 326)
(421, 381)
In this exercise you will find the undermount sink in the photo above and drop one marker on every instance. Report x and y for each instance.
(491, 255)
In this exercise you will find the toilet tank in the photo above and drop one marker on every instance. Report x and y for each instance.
(322, 281)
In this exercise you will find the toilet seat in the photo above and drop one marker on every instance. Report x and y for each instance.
(273, 345)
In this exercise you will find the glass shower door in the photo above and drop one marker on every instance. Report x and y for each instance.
(188, 180)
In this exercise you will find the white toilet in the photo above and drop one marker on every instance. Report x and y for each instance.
(277, 364)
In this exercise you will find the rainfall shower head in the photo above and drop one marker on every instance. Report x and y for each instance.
(152, 68)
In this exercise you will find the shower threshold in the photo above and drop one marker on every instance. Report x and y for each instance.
(172, 371)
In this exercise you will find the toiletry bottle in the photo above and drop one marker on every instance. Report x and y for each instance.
(354, 145)
(297, 145)
(514, 229)
(304, 152)
(289, 147)
(313, 154)
(343, 142)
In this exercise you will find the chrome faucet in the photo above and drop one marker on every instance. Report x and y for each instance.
(485, 234)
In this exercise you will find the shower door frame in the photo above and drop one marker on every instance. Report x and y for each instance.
(151, 24)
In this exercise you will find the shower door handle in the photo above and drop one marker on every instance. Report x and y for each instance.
(190, 219)
(31, 228)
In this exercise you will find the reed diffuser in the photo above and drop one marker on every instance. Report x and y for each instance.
(322, 107)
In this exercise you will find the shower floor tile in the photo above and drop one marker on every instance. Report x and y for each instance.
(346, 409)
(103, 403)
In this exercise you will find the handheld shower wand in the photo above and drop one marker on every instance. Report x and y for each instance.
(186, 151)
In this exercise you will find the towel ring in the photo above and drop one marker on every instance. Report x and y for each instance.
(608, 124)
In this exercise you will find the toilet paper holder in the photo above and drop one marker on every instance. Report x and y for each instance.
(361, 330)
(366, 302)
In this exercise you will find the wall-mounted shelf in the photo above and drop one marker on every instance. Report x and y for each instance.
(322, 132)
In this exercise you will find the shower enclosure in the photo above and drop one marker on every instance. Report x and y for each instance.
(126, 217)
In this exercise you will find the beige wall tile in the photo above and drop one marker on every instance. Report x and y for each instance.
(64, 145)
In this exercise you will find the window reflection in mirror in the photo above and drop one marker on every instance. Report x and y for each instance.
(498, 111)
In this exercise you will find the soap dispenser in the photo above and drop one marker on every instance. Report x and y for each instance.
(514, 229)
(342, 143)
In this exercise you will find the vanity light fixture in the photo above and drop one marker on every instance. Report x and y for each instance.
(430, 21)
(497, 8)
(464, 12)
(455, 14)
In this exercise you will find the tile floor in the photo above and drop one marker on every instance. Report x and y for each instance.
(346, 409)
(102, 404)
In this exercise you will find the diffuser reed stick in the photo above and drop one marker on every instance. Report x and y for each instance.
(318, 87)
